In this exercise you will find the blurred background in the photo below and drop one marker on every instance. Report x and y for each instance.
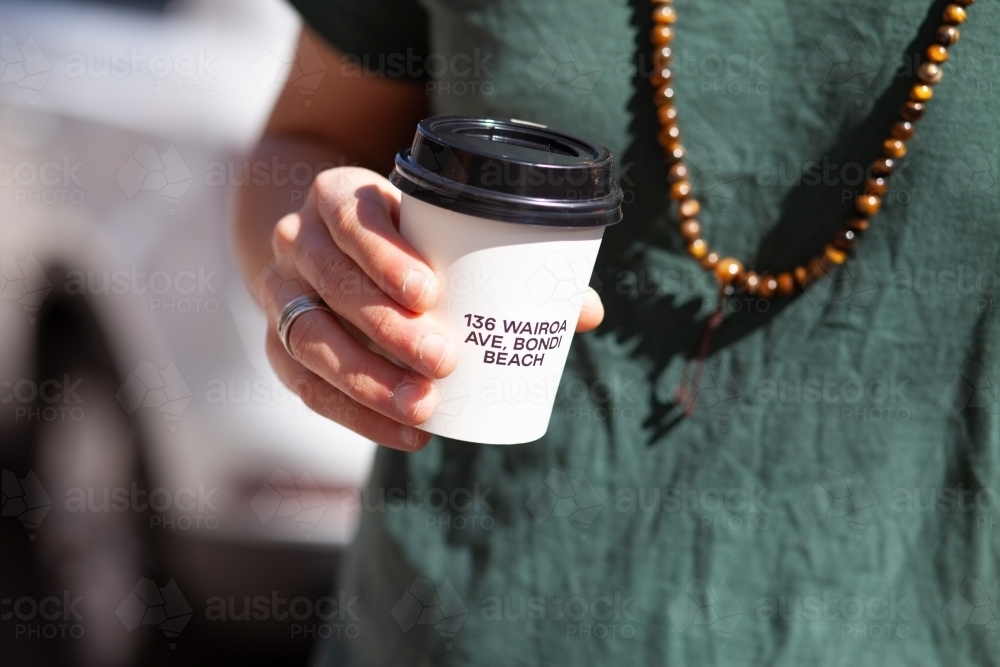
(165, 499)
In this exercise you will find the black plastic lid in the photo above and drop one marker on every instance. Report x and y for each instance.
(509, 170)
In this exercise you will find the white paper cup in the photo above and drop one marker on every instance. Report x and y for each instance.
(512, 290)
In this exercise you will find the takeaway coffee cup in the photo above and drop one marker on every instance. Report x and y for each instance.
(510, 215)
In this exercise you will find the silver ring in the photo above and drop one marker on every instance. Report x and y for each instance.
(291, 312)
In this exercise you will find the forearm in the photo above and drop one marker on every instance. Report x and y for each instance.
(276, 182)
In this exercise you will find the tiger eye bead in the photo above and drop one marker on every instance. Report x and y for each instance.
(869, 204)
(675, 153)
(678, 172)
(953, 14)
(844, 239)
(947, 35)
(662, 56)
(710, 261)
(689, 208)
(937, 53)
(801, 275)
(680, 190)
(662, 35)
(857, 224)
(663, 95)
(727, 269)
(751, 281)
(691, 230)
(921, 92)
(894, 148)
(767, 286)
(698, 248)
(669, 136)
(902, 130)
(666, 114)
(912, 111)
(876, 185)
(883, 167)
(930, 73)
(834, 255)
(661, 76)
(786, 284)
(665, 14)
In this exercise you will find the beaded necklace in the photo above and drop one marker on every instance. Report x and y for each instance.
(730, 272)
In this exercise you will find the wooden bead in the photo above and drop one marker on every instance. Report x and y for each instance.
(876, 185)
(883, 167)
(662, 56)
(662, 35)
(691, 230)
(698, 248)
(844, 238)
(680, 190)
(675, 153)
(857, 224)
(689, 208)
(786, 284)
(902, 130)
(834, 255)
(678, 172)
(801, 275)
(767, 286)
(727, 269)
(930, 73)
(869, 204)
(710, 261)
(947, 34)
(665, 14)
(912, 111)
(893, 148)
(937, 53)
(666, 114)
(669, 136)
(663, 95)
(953, 14)
(661, 76)
(921, 92)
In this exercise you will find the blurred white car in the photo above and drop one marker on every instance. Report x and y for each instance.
(130, 353)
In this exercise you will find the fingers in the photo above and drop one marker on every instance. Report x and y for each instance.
(417, 340)
(321, 344)
(592, 313)
(330, 402)
(359, 209)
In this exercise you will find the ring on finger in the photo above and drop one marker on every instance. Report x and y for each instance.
(291, 311)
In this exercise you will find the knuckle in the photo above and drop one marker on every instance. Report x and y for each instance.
(340, 276)
(384, 327)
(284, 234)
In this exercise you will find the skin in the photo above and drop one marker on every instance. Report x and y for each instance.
(369, 366)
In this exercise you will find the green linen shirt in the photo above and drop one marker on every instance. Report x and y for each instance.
(830, 497)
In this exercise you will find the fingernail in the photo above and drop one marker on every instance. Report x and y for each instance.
(415, 284)
(407, 398)
(433, 350)
(412, 437)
